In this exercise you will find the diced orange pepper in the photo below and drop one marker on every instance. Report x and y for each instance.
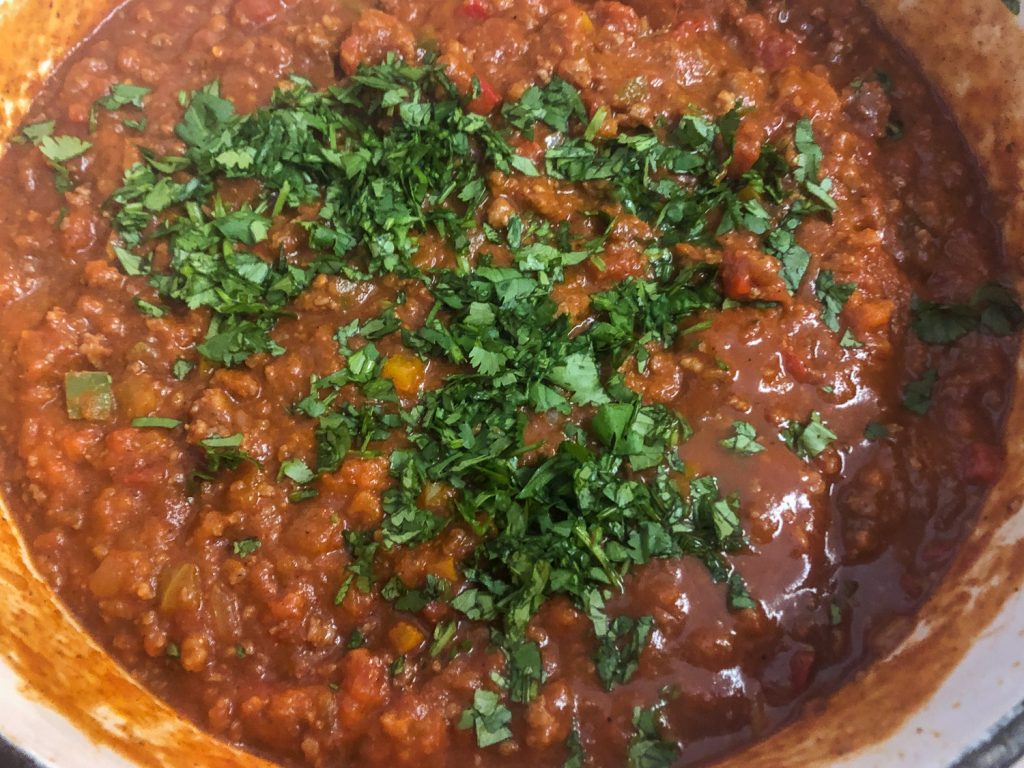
(405, 372)
(405, 637)
(445, 568)
(364, 509)
(365, 474)
(435, 496)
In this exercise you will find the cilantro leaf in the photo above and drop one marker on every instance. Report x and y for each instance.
(993, 309)
(917, 395)
(524, 670)
(744, 439)
(618, 653)
(576, 757)
(808, 439)
(245, 547)
(739, 596)
(488, 717)
(60, 149)
(580, 376)
(833, 297)
(297, 471)
(222, 453)
(182, 368)
(155, 422)
(555, 104)
(648, 748)
(849, 341)
(874, 431)
(124, 95)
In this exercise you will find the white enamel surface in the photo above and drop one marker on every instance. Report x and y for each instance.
(44, 734)
(987, 684)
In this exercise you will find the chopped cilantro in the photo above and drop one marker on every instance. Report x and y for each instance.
(149, 309)
(56, 149)
(444, 633)
(38, 131)
(524, 670)
(808, 166)
(245, 547)
(124, 95)
(833, 297)
(553, 104)
(296, 470)
(222, 453)
(182, 368)
(917, 395)
(488, 717)
(744, 439)
(356, 640)
(648, 747)
(60, 149)
(808, 439)
(397, 667)
(157, 422)
(739, 596)
(875, 431)
(781, 243)
(576, 757)
(415, 600)
(993, 309)
(618, 653)
(849, 341)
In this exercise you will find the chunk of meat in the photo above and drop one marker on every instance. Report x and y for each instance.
(749, 274)
(374, 36)
(256, 13)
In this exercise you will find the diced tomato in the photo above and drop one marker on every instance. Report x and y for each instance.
(746, 148)
(801, 668)
(984, 463)
(796, 366)
(938, 551)
(488, 99)
(777, 50)
(693, 22)
(477, 10)
(736, 280)
(256, 13)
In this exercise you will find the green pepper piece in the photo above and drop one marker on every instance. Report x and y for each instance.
(89, 395)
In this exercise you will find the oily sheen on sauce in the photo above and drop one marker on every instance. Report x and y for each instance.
(168, 492)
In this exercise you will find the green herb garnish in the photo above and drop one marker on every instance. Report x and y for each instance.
(156, 422)
(488, 717)
(744, 439)
(648, 747)
(245, 547)
(808, 439)
(917, 395)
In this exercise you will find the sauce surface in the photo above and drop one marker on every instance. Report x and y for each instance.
(222, 593)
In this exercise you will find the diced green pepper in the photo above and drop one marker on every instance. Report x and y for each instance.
(89, 395)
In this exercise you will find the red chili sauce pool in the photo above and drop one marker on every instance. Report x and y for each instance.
(223, 592)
